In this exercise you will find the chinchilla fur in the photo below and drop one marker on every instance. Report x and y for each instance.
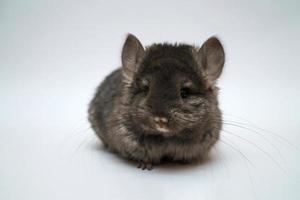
(162, 103)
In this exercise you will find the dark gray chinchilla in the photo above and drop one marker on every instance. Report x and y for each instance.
(162, 103)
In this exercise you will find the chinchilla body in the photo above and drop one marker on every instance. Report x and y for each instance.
(161, 104)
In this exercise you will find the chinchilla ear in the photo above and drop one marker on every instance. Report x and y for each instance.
(132, 54)
(212, 58)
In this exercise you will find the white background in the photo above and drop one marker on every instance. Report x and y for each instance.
(54, 53)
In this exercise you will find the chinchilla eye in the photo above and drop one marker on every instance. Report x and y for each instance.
(185, 92)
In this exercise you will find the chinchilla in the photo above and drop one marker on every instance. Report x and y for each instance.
(162, 103)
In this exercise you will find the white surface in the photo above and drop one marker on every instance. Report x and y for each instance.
(54, 53)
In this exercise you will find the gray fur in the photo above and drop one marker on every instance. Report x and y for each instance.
(117, 113)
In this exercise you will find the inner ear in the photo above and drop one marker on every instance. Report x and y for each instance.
(132, 54)
(212, 58)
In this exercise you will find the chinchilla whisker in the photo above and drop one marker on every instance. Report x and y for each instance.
(73, 134)
(116, 121)
(246, 122)
(268, 141)
(243, 126)
(222, 158)
(192, 121)
(84, 130)
(258, 147)
(188, 120)
(236, 150)
(247, 162)
(84, 141)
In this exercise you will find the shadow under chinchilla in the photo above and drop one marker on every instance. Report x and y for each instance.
(166, 164)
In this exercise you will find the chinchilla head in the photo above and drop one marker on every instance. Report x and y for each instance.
(169, 89)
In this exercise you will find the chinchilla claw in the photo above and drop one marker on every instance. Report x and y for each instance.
(145, 165)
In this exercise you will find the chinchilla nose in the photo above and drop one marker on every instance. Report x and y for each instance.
(161, 120)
